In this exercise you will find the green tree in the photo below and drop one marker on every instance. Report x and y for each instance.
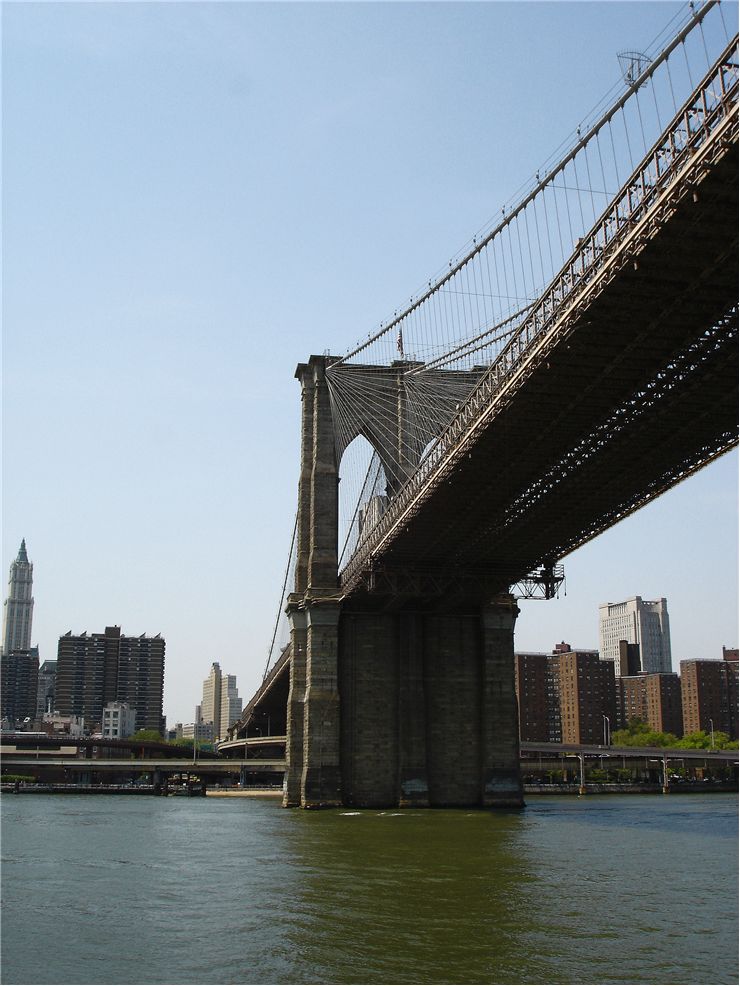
(186, 742)
(701, 740)
(146, 736)
(698, 740)
(638, 733)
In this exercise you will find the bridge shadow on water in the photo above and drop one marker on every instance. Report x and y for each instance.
(570, 890)
(410, 896)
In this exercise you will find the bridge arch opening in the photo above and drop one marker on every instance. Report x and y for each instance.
(362, 495)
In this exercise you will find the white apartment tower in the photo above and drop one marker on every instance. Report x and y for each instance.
(18, 607)
(638, 621)
(221, 704)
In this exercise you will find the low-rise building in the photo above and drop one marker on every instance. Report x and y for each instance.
(55, 724)
(201, 731)
(119, 720)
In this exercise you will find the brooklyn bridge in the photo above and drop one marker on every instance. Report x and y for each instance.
(578, 360)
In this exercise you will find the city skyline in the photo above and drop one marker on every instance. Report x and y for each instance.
(538, 623)
(190, 212)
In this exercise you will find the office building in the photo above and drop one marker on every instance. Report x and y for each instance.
(221, 704)
(709, 696)
(211, 704)
(19, 662)
(639, 622)
(18, 607)
(98, 668)
(119, 720)
(231, 704)
(629, 659)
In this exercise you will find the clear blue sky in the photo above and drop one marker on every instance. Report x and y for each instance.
(199, 196)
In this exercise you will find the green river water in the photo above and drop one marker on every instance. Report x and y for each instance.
(600, 889)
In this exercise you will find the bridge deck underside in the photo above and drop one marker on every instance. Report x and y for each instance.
(633, 398)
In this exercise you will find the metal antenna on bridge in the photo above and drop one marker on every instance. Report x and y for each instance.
(632, 64)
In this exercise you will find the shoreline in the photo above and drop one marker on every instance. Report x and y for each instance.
(530, 790)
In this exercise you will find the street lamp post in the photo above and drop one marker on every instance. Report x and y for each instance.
(711, 728)
(607, 730)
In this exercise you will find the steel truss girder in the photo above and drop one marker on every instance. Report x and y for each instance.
(410, 582)
(720, 337)
(558, 314)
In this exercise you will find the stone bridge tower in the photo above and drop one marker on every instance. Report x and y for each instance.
(392, 700)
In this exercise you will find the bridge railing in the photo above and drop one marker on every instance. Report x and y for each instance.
(711, 107)
(270, 676)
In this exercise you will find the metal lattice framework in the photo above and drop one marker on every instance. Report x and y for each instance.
(698, 137)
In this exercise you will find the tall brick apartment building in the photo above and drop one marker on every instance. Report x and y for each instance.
(709, 693)
(531, 673)
(651, 698)
(19, 671)
(98, 668)
(587, 696)
(563, 697)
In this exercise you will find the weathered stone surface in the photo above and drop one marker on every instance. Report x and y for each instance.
(369, 696)
(296, 705)
(403, 707)
(320, 781)
(412, 717)
(501, 780)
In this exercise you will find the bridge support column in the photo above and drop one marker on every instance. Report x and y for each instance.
(501, 779)
(321, 778)
(312, 777)
(296, 705)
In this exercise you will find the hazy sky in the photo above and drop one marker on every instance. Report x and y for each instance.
(199, 196)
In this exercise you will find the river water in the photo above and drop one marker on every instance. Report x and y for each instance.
(141, 890)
